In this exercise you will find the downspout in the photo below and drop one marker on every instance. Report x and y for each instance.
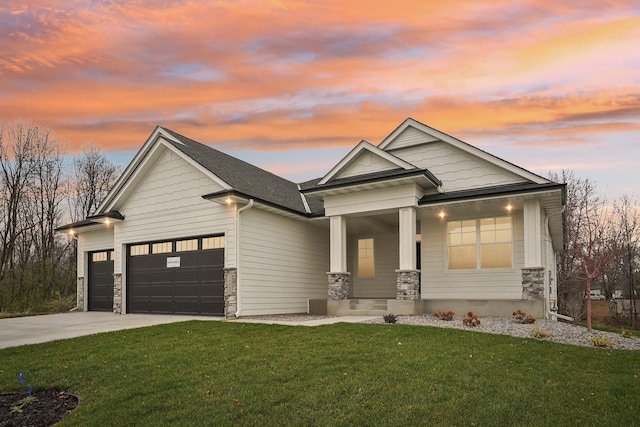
(238, 281)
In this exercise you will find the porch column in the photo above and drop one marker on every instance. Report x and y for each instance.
(338, 276)
(407, 283)
(532, 234)
(533, 271)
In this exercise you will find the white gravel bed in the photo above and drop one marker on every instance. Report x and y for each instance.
(565, 333)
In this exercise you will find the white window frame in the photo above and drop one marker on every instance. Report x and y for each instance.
(478, 244)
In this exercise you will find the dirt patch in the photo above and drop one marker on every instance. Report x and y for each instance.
(44, 407)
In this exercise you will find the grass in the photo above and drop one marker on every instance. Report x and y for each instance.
(226, 373)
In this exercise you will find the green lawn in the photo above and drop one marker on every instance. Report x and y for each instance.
(225, 373)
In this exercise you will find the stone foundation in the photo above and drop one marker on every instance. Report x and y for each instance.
(80, 293)
(117, 293)
(408, 285)
(230, 292)
(338, 286)
(532, 283)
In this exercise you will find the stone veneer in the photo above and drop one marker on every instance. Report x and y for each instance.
(230, 292)
(80, 293)
(117, 293)
(338, 286)
(532, 283)
(408, 285)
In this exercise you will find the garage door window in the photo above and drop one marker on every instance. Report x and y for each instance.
(213, 242)
(99, 256)
(161, 248)
(139, 250)
(187, 245)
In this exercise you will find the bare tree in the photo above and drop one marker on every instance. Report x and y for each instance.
(94, 175)
(627, 213)
(590, 244)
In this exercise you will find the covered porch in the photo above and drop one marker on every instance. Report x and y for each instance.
(374, 262)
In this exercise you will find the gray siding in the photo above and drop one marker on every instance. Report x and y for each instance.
(283, 263)
(386, 255)
(456, 169)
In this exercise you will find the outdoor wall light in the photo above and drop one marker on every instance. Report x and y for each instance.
(509, 208)
(441, 214)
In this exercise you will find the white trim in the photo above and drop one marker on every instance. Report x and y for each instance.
(388, 141)
(304, 200)
(357, 150)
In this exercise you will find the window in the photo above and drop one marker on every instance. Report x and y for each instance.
(139, 250)
(112, 255)
(161, 248)
(99, 256)
(187, 245)
(483, 243)
(365, 258)
(213, 242)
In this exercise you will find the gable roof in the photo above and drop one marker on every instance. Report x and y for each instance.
(388, 142)
(358, 151)
(233, 174)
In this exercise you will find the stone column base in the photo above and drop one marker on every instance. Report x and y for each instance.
(117, 293)
(80, 293)
(338, 286)
(533, 283)
(230, 292)
(408, 285)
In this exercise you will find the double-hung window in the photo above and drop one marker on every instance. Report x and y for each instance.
(480, 243)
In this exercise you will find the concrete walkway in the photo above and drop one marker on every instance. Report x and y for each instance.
(37, 329)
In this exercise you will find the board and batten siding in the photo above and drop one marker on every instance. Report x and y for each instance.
(385, 264)
(168, 204)
(366, 163)
(456, 169)
(283, 263)
(96, 240)
(440, 283)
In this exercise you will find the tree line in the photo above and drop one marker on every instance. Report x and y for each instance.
(39, 193)
(601, 251)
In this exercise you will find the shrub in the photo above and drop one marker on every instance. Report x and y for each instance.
(444, 315)
(626, 333)
(470, 319)
(522, 317)
(390, 318)
(601, 342)
(540, 333)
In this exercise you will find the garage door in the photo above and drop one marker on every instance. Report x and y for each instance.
(100, 285)
(184, 276)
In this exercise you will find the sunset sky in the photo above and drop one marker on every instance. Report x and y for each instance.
(293, 85)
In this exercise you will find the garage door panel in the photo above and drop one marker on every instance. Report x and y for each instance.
(100, 285)
(192, 284)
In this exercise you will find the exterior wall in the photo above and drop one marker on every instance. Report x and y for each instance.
(367, 162)
(167, 204)
(87, 242)
(439, 283)
(384, 283)
(456, 169)
(283, 263)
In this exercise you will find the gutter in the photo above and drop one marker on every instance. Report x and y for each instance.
(556, 316)
(238, 281)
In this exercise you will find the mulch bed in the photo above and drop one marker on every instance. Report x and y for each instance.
(47, 408)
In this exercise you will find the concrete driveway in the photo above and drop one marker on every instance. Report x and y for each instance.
(36, 329)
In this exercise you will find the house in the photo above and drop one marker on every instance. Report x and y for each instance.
(419, 222)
